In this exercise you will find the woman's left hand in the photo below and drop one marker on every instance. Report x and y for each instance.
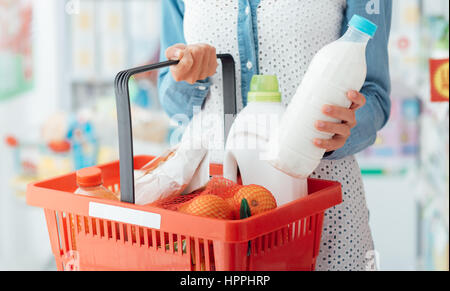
(341, 130)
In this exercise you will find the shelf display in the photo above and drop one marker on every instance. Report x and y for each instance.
(434, 198)
(83, 40)
(108, 36)
(414, 145)
(396, 148)
(112, 42)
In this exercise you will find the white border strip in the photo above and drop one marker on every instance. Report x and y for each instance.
(125, 215)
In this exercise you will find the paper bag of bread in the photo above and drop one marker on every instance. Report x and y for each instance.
(181, 167)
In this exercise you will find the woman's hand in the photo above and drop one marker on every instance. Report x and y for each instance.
(197, 62)
(341, 130)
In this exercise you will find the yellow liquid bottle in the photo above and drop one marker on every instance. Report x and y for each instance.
(90, 183)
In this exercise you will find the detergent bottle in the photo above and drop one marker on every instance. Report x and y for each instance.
(247, 148)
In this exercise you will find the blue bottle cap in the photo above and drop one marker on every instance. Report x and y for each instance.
(364, 25)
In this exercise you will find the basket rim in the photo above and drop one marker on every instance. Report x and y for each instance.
(329, 195)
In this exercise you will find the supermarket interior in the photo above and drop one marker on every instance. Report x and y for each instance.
(58, 61)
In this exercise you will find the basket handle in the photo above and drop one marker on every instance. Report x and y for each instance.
(124, 115)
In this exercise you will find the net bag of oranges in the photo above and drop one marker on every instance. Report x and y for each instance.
(222, 199)
(180, 234)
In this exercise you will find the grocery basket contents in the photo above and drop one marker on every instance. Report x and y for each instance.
(90, 183)
(177, 211)
(167, 175)
(247, 147)
(222, 199)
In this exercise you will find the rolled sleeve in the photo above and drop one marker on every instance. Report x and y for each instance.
(181, 97)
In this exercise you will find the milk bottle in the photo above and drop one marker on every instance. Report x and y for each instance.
(336, 69)
(247, 144)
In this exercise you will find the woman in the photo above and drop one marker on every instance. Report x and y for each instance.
(281, 37)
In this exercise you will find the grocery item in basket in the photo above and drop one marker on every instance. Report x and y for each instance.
(211, 206)
(217, 185)
(337, 68)
(221, 196)
(154, 163)
(247, 144)
(90, 183)
(201, 176)
(168, 175)
(259, 199)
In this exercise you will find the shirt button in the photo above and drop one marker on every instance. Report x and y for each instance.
(247, 10)
(249, 65)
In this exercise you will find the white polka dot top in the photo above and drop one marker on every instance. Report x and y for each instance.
(290, 32)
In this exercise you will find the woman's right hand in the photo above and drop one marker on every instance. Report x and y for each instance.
(197, 62)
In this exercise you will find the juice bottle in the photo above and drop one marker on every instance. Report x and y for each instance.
(90, 183)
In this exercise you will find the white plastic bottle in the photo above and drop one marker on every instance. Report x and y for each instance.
(247, 143)
(337, 68)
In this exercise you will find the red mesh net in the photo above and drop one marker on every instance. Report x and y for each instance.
(218, 186)
(221, 187)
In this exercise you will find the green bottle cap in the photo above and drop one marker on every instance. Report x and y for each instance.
(264, 88)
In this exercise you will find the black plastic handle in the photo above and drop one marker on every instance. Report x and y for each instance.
(124, 116)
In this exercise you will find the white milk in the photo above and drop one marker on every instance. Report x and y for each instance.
(247, 144)
(335, 70)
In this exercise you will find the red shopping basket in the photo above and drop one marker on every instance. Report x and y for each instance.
(94, 234)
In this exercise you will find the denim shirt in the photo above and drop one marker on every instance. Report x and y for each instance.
(181, 97)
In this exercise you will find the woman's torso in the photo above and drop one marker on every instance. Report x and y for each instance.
(290, 32)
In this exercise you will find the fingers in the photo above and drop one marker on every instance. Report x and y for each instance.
(212, 64)
(208, 65)
(204, 70)
(341, 132)
(358, 100)
(175, 52)
(198, 55)
(342, 129)
(181, 71)
(341, 113)
(197, 62)
(333, 144)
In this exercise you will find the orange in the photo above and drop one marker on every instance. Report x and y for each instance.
(209, 206)
(259, 199)
(231, 202)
